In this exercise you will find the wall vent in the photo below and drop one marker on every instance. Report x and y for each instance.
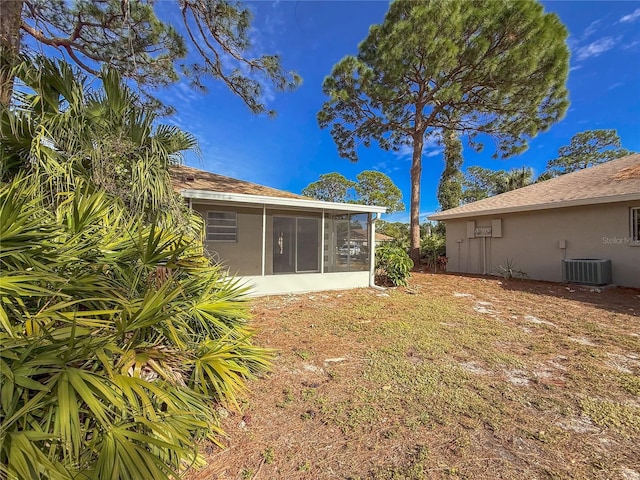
(591, 271)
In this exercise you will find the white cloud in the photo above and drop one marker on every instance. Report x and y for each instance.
(615, 85)
(175, 120)
(631, 17)
(431, 148)
(633, 44)
(381, 166)
(181, 94)
(424, 215)
(385, 166)
(401, 217)
(591, 29)
(596, 48)
(404, 152)
(432, 141)
(577, 67)
(572, 43)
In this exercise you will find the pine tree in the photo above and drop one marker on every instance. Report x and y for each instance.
(130, 37)
(587, 149)
(450, 186)
(484, 69)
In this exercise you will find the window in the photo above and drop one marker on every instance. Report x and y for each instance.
(222, 226)
(346, 243)
(635, 224)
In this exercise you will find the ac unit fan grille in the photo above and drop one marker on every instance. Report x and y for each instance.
(589, 271)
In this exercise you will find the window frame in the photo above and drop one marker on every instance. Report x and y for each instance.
(295, 244)
(634, 225)
(318, 224)
(231, 227)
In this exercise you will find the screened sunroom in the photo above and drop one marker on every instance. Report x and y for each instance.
(283, 244)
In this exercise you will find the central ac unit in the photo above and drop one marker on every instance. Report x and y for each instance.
(590, 271)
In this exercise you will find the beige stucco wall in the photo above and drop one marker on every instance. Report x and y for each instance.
(244, 256)
(532, 241)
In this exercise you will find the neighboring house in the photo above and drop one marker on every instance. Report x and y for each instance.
(381, 239)
(360, 237)
(278, 242)
(589, 214)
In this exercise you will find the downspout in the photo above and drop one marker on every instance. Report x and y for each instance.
(349, 242)
(372, 252)
(484, 255)
(322, 243)
(264, 239)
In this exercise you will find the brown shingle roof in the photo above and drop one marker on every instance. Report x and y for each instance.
(185, 178)
(381, 237)
(616, 180)
(360, 234)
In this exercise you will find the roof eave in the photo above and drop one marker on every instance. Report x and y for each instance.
(443, 216)
(278, 201)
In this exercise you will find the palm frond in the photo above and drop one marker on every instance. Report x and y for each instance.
(117, 334)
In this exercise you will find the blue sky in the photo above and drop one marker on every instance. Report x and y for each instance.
(290, 151)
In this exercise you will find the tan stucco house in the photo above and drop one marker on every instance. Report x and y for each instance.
(279, 242)
(582, 227)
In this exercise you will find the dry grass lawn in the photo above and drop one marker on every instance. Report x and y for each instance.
(451, 377)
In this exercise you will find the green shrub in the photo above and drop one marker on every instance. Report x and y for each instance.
(117, 338)
(393, 265)
(431, 247)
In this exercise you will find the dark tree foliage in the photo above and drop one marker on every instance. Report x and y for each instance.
(450, 186)
(130, 37)
(514, 179)
(485, 69)
(586, 149)
(398, 230)
(376, 188)
(479, 182)
(372, 188)
(331, 187)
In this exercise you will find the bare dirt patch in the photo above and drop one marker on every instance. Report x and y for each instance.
(541, 382)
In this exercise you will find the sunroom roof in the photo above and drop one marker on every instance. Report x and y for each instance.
(196, 184)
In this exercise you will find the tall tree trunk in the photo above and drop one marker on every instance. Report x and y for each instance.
(10, 18)
(416, 174)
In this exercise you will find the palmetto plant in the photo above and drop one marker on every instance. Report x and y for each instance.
(117, 336)
(514, 179)
(62, 129)
(110, 364)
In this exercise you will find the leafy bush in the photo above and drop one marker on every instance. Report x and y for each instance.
(117, 338)
(117, 335)
(431, 248)
(393, 265)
